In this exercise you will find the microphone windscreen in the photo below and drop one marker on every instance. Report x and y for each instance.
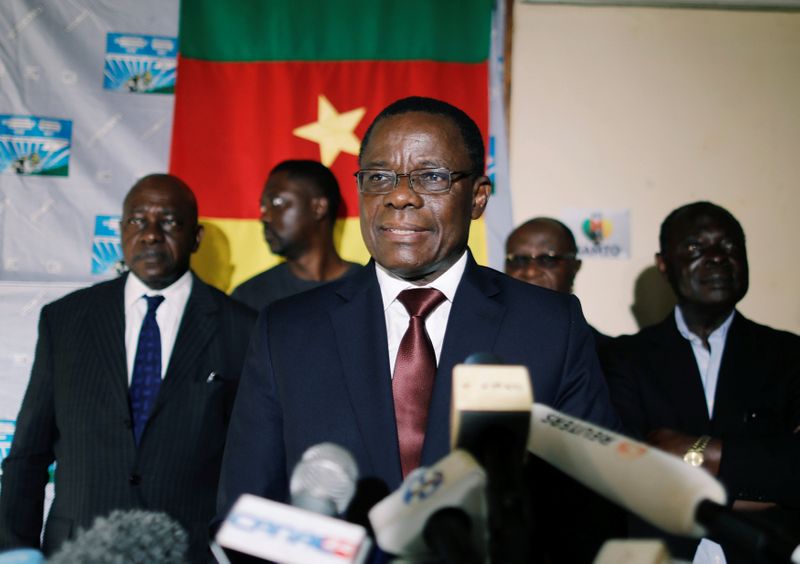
(127, 536)
(324, 481)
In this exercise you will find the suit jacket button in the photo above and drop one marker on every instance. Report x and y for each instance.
(135, 479)
(128, 424)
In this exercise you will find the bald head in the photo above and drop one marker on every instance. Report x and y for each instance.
(542, 251)
(159, 229)
(165, 183)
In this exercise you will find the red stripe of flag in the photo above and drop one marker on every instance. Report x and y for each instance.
(235, 120)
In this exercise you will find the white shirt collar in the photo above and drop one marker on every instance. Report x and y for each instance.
(718, 335)
(135, 289)
(447, 283)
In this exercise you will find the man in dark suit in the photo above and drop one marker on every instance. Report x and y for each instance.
(96, 404)
(299, 206)
(709, 385)
(325, 365)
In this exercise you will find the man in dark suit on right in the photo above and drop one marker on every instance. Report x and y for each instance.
(709, 385)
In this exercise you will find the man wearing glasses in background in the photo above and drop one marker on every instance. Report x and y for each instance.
(542, 251)
(329, 364)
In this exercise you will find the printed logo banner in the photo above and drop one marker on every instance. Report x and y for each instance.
(600, 233)
(144, 64)
(7, 427)
(106, 244)
(33, 145)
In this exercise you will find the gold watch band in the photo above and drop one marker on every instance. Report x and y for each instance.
(694, 456)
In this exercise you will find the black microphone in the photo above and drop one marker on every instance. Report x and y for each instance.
(127, 536)
(736, 529)
(369, 492)
(491, 420)
(448, 533)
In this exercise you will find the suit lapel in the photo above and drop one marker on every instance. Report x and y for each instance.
(472, 327)
(360, 330)
(735, 381)
(196, 329)
(107, 331)
(676, 368)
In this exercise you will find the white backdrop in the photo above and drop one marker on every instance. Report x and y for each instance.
(52, 65)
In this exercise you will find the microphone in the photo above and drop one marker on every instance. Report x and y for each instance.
(127, 536)
(278, 532)
(369, 492)
(321, 486)
(324, 480)
(400, 521)
(21, 556)
(655, 485)
(490, 418)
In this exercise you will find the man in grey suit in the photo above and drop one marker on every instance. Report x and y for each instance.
(131, 388)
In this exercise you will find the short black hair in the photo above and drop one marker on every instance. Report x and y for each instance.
(318, 176)
(470, 132)
(693, 209)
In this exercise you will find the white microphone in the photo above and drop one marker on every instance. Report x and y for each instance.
(282, 533)
(322, 484)
(456, 481)
(655, 485)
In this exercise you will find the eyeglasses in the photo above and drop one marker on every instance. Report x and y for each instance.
(422, 181)
(546, 261)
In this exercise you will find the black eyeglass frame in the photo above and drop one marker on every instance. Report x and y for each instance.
(454, 176)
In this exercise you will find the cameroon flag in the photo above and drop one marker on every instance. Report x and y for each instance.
(261, 81)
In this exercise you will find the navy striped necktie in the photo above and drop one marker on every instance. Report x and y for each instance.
(146, 379)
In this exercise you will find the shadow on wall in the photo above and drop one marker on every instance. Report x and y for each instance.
(653, 298)
(212, 261)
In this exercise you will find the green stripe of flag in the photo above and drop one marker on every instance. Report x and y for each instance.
(336, 30)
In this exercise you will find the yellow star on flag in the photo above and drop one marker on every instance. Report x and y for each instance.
(333, 131)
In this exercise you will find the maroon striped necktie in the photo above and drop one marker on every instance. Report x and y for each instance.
(414, 371)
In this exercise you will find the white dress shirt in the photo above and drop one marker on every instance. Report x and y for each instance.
(168, 315)
(397, 316)
(708, 360)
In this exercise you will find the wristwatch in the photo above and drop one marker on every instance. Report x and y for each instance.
(694, 456)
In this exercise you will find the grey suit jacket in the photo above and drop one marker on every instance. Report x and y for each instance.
(76, 412)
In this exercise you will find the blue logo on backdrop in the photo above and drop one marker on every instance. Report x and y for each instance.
(34, 145)
(106, 245)
(140, 63)
(7, 427)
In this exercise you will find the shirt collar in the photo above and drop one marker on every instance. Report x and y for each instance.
(446, 283)
(720, 333)
(135, 289)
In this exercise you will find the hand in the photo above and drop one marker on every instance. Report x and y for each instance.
(678, 443)
(746, 505)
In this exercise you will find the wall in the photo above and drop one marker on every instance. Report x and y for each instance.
(647, 109)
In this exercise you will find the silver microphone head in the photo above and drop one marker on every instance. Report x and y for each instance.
(324, 480)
